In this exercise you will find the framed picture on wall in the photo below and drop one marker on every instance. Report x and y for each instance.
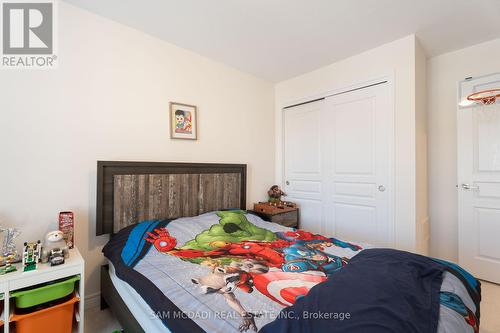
(183, 121)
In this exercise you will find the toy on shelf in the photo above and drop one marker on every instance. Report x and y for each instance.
(6, 265)
(9, 254)
(56, 257)
(55, 249)
(275, 194)
(31, 255)
(9, 246)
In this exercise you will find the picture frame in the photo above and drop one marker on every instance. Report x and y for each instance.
(183, 121)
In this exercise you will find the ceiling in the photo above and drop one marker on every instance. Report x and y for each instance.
(280, 39)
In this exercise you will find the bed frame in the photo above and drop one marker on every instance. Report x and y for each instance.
(129, 192)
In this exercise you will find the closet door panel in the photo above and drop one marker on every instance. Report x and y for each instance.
(357, 165)
(355, 219)
(353, 132)
(303, 162)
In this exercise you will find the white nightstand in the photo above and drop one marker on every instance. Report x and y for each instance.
(74, 265)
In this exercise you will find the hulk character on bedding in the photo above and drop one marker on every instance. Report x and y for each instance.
(233, 227)
(245, 257)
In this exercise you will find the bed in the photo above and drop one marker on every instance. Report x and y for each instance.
(185, 256)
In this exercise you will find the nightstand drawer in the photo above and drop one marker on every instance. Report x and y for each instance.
(288, 219)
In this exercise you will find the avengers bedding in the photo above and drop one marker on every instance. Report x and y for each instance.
(231, 272)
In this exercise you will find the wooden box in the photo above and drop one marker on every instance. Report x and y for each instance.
(286, 216)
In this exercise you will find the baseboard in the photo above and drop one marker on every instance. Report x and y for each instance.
(93, 300)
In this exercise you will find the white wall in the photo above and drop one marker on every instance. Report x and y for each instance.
(108, 100)
(398, 59)
(443, 74)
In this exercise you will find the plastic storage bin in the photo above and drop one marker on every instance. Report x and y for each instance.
(1, 304)
(54, 319)
(26, 298)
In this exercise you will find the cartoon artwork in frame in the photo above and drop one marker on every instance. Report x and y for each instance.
(183, 121)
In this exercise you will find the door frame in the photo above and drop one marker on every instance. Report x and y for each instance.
(390, 78)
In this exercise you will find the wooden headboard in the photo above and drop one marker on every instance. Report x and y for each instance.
(129, 192)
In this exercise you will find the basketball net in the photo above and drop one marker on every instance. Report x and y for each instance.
(487, 103)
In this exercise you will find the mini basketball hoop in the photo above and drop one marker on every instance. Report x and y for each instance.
(485, 97)
(487, 104)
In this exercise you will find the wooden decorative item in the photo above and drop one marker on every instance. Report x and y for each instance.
(268, 208)
(286, 214)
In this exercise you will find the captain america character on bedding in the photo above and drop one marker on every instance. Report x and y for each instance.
(242, 257)
(302, 256)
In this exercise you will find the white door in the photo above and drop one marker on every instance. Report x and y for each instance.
(358, 136)
(479, 183)
(338, 165)
(303, 162)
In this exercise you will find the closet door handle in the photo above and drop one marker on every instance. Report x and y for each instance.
(381, 188)
(287, 182)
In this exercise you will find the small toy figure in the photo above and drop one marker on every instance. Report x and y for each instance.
(275, 194)
(56, 257)
(31, 255)
(6, 266)
(54, 240)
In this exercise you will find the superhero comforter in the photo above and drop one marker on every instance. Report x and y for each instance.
(229, 271)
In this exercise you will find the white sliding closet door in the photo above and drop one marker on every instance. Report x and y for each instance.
(339, 165)
(358, 137)
(303, 162)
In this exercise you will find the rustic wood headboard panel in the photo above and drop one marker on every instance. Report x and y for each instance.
(129, 192)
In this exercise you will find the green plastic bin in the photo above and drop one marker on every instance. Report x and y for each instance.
(26, 298)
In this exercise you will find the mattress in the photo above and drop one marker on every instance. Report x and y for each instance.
(162, 279)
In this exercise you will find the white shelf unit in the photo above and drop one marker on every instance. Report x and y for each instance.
(74, 265)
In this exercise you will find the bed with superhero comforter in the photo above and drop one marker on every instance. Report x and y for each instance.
(229, 271)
